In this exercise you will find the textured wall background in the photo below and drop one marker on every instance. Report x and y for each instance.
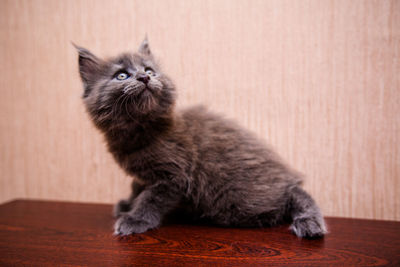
(318, 79)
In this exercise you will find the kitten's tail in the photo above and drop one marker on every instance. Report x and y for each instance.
(307, 218)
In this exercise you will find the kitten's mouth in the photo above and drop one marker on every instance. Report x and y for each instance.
(146, 92)
(139, 99)
(143, 90)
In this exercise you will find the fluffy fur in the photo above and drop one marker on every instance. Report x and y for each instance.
(192, 161)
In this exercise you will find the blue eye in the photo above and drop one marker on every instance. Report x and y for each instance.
(122, 76)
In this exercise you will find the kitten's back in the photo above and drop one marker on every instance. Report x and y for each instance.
(237, 177)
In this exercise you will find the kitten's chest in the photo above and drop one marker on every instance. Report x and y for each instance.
(152, 163)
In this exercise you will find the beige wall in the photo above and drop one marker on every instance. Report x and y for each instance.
(318, 79)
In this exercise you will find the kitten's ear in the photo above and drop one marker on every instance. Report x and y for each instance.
(89, 65)
(144, 47)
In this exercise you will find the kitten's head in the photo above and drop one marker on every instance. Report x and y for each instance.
(125, 88)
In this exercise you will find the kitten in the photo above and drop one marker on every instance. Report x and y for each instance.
(191, 160)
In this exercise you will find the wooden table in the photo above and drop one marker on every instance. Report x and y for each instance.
(42, 233)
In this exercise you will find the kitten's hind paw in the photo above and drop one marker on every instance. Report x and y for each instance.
(121, 207)
(308, 227)
(127, 225)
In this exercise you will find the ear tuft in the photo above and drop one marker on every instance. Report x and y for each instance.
(89, 65)
(144, 47)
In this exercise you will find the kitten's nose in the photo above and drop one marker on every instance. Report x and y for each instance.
(143, 77)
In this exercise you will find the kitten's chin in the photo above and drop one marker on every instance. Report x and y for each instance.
(147, 103)
(142, 103)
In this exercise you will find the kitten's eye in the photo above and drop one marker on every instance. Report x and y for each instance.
(149, 71)
(122, 76)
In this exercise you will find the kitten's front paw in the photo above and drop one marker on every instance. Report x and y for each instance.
(127, 225)
(121, 207)
(308, 227)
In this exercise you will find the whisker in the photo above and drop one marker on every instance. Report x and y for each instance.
(115, 111)
(126, 108)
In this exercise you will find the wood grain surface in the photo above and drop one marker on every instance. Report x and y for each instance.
(38, 233)
(319, 80)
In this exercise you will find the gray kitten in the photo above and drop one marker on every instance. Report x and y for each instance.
(191, 161)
